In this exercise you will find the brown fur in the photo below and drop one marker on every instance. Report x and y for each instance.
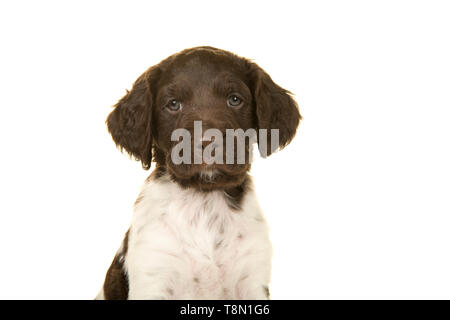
(201, 78)
(116, 280)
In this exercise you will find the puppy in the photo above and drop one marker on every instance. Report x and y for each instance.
(197, 230)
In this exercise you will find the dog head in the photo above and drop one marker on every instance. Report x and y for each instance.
(200, 95)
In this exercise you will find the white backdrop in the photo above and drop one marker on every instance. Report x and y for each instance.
(358, 204)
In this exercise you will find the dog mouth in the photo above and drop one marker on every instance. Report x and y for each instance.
(208, 176)
(209, 162)
(207, 172)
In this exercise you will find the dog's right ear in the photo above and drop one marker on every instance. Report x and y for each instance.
(130, 122)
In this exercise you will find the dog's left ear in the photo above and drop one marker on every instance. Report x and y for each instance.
(130, 122)
(275, 109)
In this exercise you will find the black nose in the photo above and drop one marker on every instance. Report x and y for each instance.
(211, 142)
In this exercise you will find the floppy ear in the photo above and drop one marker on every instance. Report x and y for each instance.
(275, 109)
(130, 122)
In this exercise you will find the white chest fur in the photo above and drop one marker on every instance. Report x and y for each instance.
(186, 244)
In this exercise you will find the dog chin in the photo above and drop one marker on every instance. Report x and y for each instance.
(208, 174)
(208, 177)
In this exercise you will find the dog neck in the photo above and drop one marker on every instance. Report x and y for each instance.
(233, 195)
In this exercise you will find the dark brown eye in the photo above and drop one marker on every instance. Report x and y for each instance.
(174, 105)
(234, 101)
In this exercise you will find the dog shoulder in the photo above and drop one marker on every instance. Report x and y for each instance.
(115, 286)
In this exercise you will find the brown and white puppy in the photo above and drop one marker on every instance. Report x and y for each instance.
(197, 230)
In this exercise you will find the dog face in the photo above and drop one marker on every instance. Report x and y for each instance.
(211, 89)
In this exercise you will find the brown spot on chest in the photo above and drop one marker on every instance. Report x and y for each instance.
(234, 196)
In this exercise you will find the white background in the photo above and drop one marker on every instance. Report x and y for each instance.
(358, 204)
